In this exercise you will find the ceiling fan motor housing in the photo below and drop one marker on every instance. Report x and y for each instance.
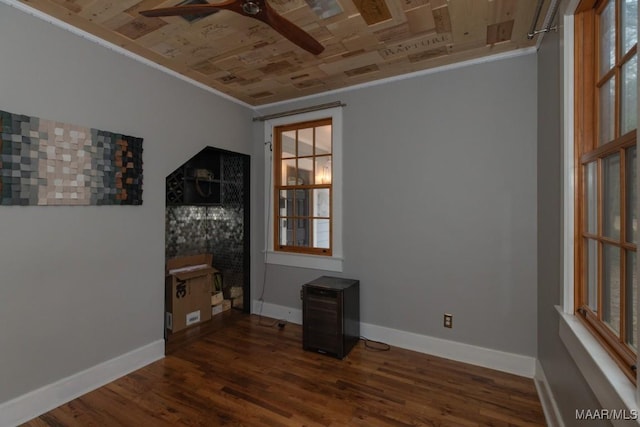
(251, 8)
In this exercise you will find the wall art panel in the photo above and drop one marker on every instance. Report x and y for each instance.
(44, 162)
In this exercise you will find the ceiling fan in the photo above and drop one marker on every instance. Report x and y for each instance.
(256, 9)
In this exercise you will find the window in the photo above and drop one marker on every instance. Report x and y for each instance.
(606, 189)
(303, 189)
(303, 179)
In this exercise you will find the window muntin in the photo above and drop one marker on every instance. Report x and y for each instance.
(303, 187)
(606, 85)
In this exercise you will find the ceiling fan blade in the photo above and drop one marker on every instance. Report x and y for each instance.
(257, 9)
(190, 9)
(289, 30)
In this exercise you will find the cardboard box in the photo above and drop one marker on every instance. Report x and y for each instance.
(216, 309)
(222, 307)
(188, 286)
(237, 302)
(233, 292)
(192, 262)
(216, 298)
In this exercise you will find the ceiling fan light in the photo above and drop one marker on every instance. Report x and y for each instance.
(250, 7)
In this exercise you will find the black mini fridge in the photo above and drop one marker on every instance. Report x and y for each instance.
(331, 315)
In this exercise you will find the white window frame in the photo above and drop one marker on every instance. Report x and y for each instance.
(320, 262)
(607, 381)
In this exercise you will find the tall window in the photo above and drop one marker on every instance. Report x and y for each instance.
(607, 213)
(303, 154)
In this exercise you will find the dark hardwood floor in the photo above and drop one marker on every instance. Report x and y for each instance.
(239, 370)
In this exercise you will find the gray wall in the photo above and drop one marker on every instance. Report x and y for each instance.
(440, 192)
(567, 383)
(440, 205)
(81, 285)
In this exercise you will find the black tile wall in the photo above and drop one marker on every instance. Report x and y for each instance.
(192, 230)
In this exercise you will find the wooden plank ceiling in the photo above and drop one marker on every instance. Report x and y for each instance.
(364, 40)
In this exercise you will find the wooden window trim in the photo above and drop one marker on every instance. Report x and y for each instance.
(279, 186)
(586, 150)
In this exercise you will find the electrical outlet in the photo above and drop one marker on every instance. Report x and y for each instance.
(448, 320)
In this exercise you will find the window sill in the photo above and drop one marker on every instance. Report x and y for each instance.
(305, 261)
(608, 383)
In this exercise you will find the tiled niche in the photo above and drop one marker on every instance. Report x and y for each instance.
(214, 218)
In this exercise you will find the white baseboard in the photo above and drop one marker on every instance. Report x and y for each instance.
(549, 405)
(280, 312)
(44, 399)
(480, 356)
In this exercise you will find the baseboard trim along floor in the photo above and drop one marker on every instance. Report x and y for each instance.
(44, 399)
(512, 363)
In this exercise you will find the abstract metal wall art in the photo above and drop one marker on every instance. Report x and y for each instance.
(44, 162)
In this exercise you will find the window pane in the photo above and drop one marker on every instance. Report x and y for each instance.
(591, 197)
(305, 142)
(629, 102)
(289, 172)
(303, 232)
(322, 233)
(629, 22)
(286, 202)
(294, 232)
(305, 171)
(286, 231)
(631, 300)
(323, 139)
(632, 196)
(289, 144)
(607, 38)
(611, 287)
(611, 196)
(321, 202)
(592, 275)
(302, 203)
(323, 170)
(607, 111)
